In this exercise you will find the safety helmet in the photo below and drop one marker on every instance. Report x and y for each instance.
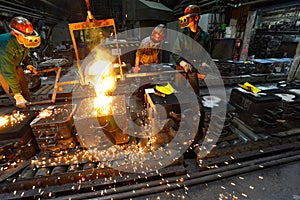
(190, 11)
(158, 33)
(24, 32)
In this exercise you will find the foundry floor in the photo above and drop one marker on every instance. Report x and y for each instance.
(276, 183)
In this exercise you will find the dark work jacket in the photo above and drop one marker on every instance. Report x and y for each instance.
(186, 47)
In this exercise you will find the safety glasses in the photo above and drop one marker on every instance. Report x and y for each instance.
(185, 20)
(29, 41)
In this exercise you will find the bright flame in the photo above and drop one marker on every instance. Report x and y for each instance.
(98, 67)
(3, 120)
(105, 84)
(101, 75)
(103, 104)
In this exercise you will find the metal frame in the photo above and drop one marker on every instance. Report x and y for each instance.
(91, 22)
(56, 85)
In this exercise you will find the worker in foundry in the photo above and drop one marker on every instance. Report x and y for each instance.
(150, 47)
(184, 49)
(15, 47)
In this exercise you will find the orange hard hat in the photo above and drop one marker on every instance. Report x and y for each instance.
(22, 25)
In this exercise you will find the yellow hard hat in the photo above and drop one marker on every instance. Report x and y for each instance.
(165, 89)
(249, 87)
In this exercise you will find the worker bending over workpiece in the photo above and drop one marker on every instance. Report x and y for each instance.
(15, 47)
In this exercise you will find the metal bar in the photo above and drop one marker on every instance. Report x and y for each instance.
(53, 99)
(68, 83)
(239, 133)
(40, 102)
(82, 81)
(11, 172)
(145, 74)
(243, 127)
(55, 84)
(48, 70)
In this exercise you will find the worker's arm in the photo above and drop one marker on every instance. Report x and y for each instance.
(9, 72)
(178, 49)
(137, 62)
(10, 75)
(138, 55)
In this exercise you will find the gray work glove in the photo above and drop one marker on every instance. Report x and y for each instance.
(20, 101)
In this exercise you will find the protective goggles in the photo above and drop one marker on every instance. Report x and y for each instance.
(184, 20)
(29, 41)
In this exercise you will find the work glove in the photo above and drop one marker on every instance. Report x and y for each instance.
(136, 69)
(20, 101)
(32, 69)
(186, 66)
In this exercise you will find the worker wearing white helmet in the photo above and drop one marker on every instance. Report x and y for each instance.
(150, 47)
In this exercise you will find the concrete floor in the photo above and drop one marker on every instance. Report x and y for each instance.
(276, 183)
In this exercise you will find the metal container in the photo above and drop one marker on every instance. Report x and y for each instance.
(95, 127)
(254, 104)
(53, 127)
(16, 138)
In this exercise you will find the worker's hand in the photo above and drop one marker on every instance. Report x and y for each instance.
(186, 66)
(20, 101)
(32, 69)
(136, 69)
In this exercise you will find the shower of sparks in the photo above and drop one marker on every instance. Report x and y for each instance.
(245, 195)
(12, 119)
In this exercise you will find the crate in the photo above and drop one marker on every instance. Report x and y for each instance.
(53, 128)
(16, 137)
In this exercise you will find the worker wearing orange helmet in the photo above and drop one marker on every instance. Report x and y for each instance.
(150, 47)
(184, 48)
(15, 47)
